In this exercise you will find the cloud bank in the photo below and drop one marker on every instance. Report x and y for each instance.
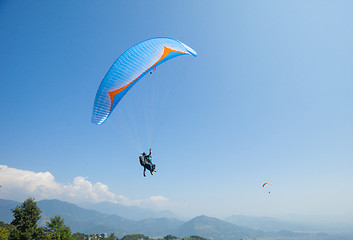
(17, 184)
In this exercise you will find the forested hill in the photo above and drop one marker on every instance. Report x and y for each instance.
(91, 221)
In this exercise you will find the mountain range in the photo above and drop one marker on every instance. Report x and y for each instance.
(295, 224)
(129, 212)
(91, 221)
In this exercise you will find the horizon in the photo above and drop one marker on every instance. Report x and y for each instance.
(267, 99)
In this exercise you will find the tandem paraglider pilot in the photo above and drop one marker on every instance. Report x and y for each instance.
(146, 163)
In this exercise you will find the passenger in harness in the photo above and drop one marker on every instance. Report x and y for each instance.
(146, 163)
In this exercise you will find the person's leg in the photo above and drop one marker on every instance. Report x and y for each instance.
(151, 169)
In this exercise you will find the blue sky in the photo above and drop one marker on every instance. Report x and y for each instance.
(268, 98)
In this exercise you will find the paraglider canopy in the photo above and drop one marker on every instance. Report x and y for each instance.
(129, 68)
(266, 183)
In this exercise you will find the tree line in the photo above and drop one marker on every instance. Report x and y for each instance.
(24, 227)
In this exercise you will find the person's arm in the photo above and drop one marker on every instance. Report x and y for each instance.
(150, 152)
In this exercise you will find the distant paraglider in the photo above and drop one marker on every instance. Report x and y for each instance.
(263, 185)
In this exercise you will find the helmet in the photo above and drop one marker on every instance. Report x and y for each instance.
(143, 154)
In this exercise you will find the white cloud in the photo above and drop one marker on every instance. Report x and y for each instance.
(20, 184)
(158, 198)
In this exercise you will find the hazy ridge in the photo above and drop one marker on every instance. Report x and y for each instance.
(92, 221)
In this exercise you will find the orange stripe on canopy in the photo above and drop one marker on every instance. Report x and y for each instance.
(114, 92)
